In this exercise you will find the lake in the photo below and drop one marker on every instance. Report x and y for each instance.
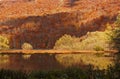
(52, 61)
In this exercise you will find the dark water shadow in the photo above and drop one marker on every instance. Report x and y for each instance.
(36, 62)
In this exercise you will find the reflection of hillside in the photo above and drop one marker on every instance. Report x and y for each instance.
(35, 62)
(52, 61)
(82, 60)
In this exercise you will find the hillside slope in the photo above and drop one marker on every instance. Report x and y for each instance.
(41, 23)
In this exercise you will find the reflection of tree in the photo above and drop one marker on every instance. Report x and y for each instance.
(33, 62)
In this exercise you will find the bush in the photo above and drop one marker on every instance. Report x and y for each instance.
(98, 48)
(65, 42)
(4, 43)
(27, 46)
(8, 74)
(87, 42)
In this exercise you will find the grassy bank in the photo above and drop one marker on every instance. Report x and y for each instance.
(69, 73)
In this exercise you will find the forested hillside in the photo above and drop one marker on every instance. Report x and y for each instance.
(42, 22)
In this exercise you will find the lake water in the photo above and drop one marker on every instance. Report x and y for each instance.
(51, 61)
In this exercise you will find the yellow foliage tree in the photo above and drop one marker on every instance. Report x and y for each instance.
(27, 46)
(4, 43)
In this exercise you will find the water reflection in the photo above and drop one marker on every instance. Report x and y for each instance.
(29, 62)
(51, 61)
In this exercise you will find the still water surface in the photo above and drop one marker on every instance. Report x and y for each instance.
(50, 61)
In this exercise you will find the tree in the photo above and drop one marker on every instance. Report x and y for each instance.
(65, 42)
(27, 46)
(118, 21)
(4, 42)
(116, 34)
(116, 41)
(116, 38)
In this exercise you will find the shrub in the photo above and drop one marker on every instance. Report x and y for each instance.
(87, 42)
(4, 43)
(98, 48)
(8, 74)
(65, 42)
(27, 46)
